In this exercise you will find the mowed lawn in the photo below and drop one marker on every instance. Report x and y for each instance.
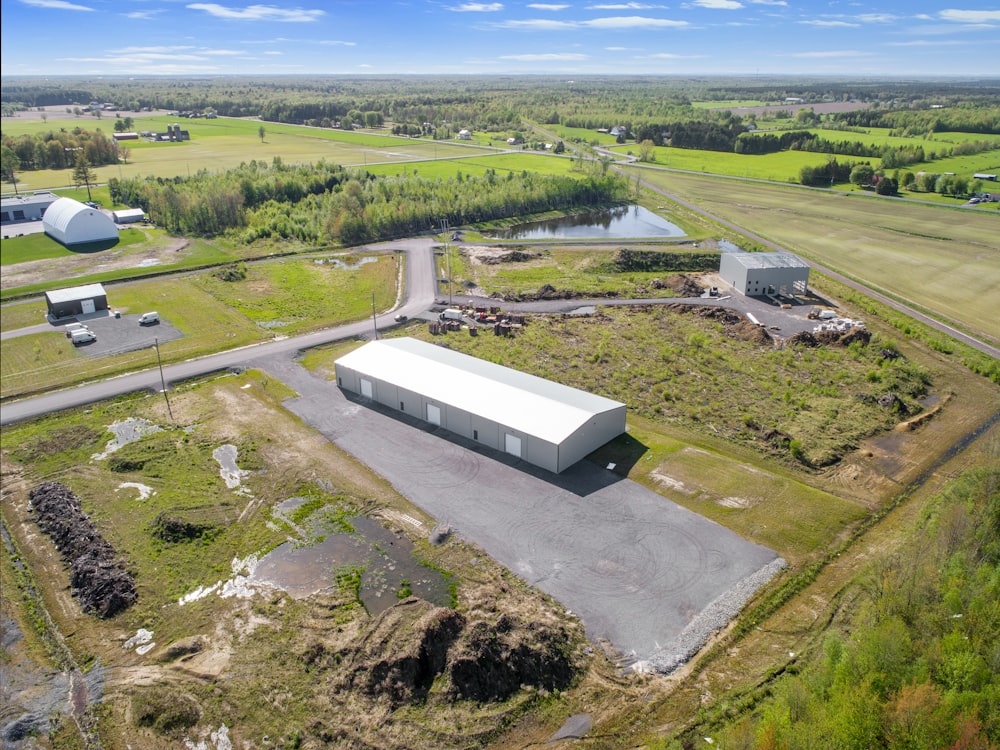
(943, 259)
(224, 143)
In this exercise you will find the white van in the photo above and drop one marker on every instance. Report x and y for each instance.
(149, 318)
(84, 336)
(71, 327)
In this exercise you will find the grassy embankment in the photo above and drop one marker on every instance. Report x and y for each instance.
(285, 296)
(939, 260)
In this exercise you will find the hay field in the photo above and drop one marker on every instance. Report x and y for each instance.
(940, 259)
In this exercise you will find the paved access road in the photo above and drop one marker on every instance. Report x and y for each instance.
(418, 296)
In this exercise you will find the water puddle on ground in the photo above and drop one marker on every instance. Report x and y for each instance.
(390, 570)
(343, 265)
(126, 431)
(231, 474)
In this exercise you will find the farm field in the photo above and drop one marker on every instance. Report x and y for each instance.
(938, 259)
(223, 143)
(478, 165)
(784, 166)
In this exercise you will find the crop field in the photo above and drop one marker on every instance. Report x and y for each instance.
(478, 165)
(224, 143)
(784, 166)
(939, 259)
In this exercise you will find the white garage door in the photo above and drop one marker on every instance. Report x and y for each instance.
(434, 414)
(87, 305)
(366, 388)
(512, 444)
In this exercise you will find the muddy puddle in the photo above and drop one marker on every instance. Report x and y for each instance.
(391, 571)
(126, 431)
(343, 265)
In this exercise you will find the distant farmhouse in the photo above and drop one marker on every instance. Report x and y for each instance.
(26, 207)
(73, 223)
(761, 274)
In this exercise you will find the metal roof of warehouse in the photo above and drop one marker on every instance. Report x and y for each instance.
(520, 401)
(769, 260)
(72, 294)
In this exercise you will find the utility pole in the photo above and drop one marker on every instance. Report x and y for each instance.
(163, 383)
(447, 255)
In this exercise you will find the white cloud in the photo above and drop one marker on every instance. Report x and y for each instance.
(877, 18)
(560, 56)
(259, 13)
(719, 4)
(971, 16)
(831, 53)
(477, 7)
(222, 52)
(273, 52)
(769, 2)
(928, 43)
(831, 24)
(630, 22)
(55, 5)
(547, 6)
(151, 50)
(143, 15)
(626, 6)
(610, 22)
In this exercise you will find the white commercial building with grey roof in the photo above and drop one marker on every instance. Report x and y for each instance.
(545, 423)
(760, 274)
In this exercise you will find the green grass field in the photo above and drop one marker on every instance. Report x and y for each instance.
(287, 296)
(528, 161)
(224, 143)
(784, 166)
(940, 259)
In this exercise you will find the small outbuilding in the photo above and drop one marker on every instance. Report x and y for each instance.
(26, 207)
(761, 274)
(77, 300)
(545, 423)
(73, 223)
(128, 215)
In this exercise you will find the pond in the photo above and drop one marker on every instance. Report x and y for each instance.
(624, 222)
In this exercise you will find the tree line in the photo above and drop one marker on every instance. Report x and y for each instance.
(326, 203)
(59, 149)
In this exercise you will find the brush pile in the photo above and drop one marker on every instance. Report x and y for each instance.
(98, 576)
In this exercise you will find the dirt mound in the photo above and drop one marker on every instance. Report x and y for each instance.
(734, 325)
(804, 338)
(97, 574)
(681, 284)
(493, 660)
(547, 292)
(403, 651)
(412, 644)
(839, 338)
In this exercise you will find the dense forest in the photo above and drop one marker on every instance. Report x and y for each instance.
(58, 149)
(325, 203)
(918, 665)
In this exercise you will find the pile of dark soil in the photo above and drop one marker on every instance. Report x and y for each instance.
(734, 325)
(681, 284)
(547, 291)
(97, 574)
(409, 646)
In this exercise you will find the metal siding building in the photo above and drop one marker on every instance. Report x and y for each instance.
(26, 207)
(73, 223)
(128, 215)
(755, 274)
(542, 422)
(77, 300)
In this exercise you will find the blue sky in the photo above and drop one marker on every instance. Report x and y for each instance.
(678, 37)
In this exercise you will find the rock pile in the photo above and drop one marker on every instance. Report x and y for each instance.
(97, 574)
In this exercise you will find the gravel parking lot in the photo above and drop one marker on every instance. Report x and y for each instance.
(645, 575)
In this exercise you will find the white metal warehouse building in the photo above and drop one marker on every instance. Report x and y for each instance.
(25, 207)
(73, 223)
(757, 274)
(542, 422)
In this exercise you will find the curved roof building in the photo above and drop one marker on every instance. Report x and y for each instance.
(73, 223)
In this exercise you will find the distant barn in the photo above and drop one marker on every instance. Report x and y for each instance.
(73, 223)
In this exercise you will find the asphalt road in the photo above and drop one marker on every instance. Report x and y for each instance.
(418, 297)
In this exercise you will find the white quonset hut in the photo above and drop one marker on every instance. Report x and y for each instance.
(73, 223)
(542, 422)
(26, 207)
(755, 274)
(77, 300)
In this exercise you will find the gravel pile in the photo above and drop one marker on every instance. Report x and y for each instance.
(713, 618)
(97, 574)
